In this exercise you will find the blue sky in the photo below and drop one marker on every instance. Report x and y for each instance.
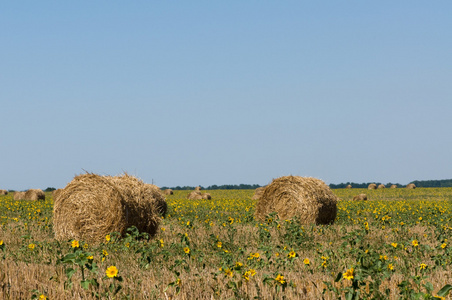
(210, 92)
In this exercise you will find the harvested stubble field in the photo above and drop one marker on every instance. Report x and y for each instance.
(393, 246)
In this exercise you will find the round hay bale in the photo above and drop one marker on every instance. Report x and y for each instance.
(55, 193)
(168, 192)
(372, 186)
(198, 188)
(411, 186)
(206, 196)
(360, 197)
(92, 206)
(309, 199)
(258, 193)
(34, 194)
(194, 195)
(381, 186)
(3, 192)
(19, 195)
(348, 186)
(393, 186)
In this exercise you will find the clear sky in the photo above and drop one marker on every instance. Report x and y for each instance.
(225, 92)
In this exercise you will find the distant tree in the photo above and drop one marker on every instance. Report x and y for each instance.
(49, 189)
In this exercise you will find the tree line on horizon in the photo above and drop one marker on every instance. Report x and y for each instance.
(418, 183)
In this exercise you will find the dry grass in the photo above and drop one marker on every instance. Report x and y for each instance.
(360, 197)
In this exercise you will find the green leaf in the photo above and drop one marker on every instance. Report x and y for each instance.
(85, 284)
(338, 277)
(445, 290)
(69, 273)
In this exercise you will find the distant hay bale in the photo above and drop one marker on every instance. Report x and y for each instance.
(393, 186)
(198, 188)
(3, 192)
(34, 194)
(206, 196)
(168, 192)
(55, 193)
(19, 195)
(348, 186)
(360, 197)
(258, 193)
(372, 186)
(194, 195)
(411, 186)
(91, 206)
(309, 199)
(381, 186)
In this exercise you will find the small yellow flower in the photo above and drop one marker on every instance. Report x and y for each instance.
(219, 244)
(415, 243)
(163, 229)
(187, 250)
(423, 266)
(127, 245)
(391, 267)
(112, 271)
(31, 246)
(104, 252)
(231, 220)
(85, 246)
(252, 272)
(280, 279)
(324, 264)
(42, 297)
(394, 245)
(90, 257)
(349, 274)
(306, 261)
(238, 264)
(1, 242)
(161, 243)
(107, 238)
(75, 244)
(292, 254)
(228, 272)
(444, 245)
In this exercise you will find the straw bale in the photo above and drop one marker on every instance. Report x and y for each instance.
(55, 193)
(91, 206)
(348, 186)
(372, 186)
(198, 188)
(3, 192)
(206, 196)
(194, 195)
(360, 197)
(309, 199)
(411, 186)
(258, 193)
(393, 186)
(19, 195)
(168, 192)
(381, 186)
(34, 194)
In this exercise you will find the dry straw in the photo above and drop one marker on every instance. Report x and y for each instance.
(381, 186)
(258, 193)
(206, 196)
(34, 194)
(393, 186)
(55, 193)
(360, 197)
(194, 195)
(411, 186)
(19, 195)
(198, 188)
(3, 192)
(309, 199)
(91, 206)
(372, 186)
(168, 192)
(348, 186)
